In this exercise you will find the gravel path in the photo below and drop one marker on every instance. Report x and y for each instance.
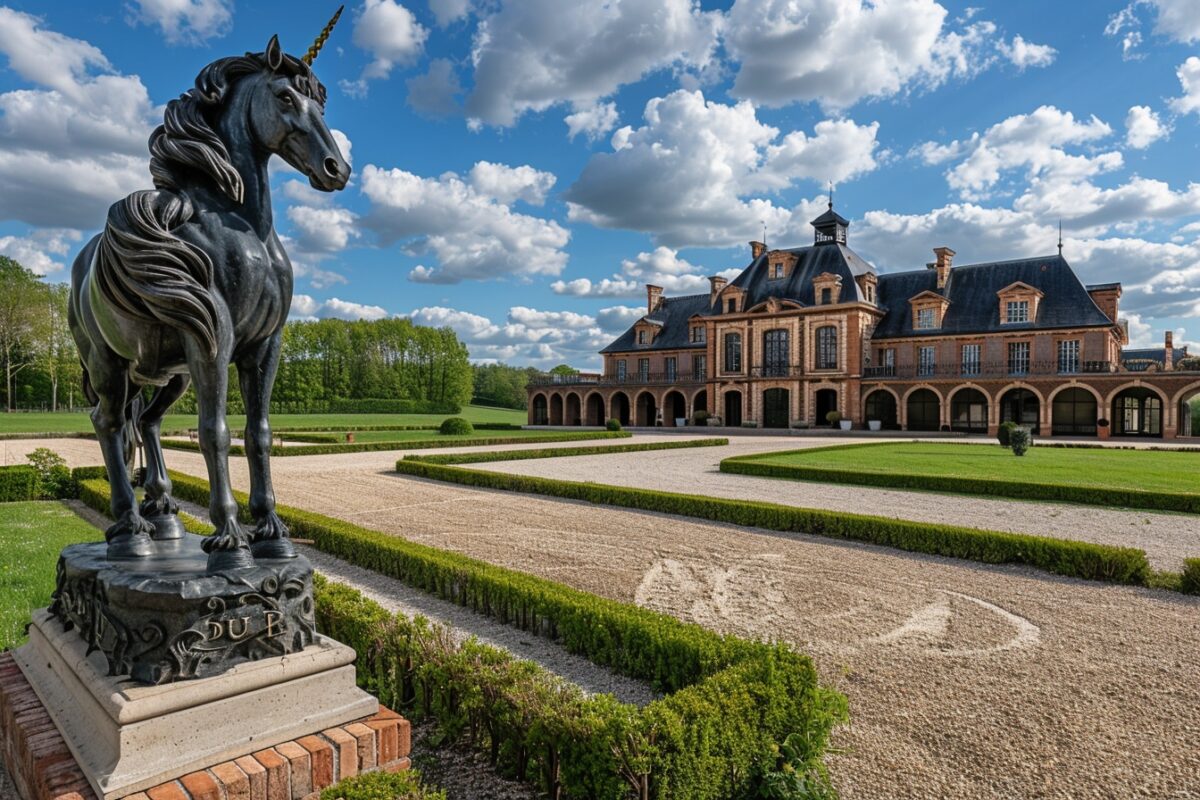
(964, 680)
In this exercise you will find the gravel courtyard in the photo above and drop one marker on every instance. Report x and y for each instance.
(964, 681)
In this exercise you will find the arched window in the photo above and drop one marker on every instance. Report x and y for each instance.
(733, 352)
(827, 347)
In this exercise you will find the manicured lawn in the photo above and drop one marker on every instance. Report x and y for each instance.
(1147, 470)
(31, 535)
(79, 423)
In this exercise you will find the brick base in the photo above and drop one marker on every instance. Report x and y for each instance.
(42, 767)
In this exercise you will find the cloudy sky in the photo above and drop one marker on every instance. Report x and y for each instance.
(523, 167)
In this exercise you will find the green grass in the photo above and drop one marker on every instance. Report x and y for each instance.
(1147, 470)
(31, 535)
(38, 422)
(411, 436)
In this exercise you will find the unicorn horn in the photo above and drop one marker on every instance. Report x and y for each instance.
(311, 55)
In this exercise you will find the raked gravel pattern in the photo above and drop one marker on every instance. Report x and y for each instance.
(964, 680)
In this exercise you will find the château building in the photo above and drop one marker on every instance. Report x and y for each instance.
(804, 331)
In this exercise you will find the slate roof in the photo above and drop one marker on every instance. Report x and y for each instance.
(1158, 354)
(974, 305)
(797, 286)
(673, 313)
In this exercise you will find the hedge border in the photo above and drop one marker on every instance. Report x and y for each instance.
(18, 482)
(417, 444)
(729, 701)
(1123, 565)
(1020, 490)
(557, 452)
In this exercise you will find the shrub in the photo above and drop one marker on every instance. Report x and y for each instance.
(1191, 576)
(558, 452)
(613, 424)
(405, 785)
(456, 426)
(18, 483)
(791, 771)
(1019, 440)
(53, 475)
(1004, 433)
(833, 418)
(700, 417)
(1102, 423)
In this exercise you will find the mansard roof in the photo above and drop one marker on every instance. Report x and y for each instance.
(673, 314)
(1158, 354)
(974, 305)
(837, 259)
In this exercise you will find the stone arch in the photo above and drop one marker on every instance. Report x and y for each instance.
(539, 410)
(619, 408)
(556, 409)
(1138, 410)
(970, 408)
(594, 409)
(1013, 406)
(1187, 418)
(645, 409)
(699, 400)
(674, 406)
(887, 412)
(923, 409)
(733, 407)
(572, 410)
(1074, 410)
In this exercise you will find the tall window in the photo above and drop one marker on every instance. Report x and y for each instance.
(733, 352)
(672, 368)
(621, 369)
(926, 360)
(887, 360)
(827, 347)
(699, 368)
(697, 334)
(1068, 356)
(642, 336)
(775, 352)
(643, 369)
(731, 305)
(1016, 311)
(926, 318)
(777, 269)
(970, 359)
(1018, 358)
(826, 296)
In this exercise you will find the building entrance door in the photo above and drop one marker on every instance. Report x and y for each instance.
(826, 402)
(733, 409)
(776, 409)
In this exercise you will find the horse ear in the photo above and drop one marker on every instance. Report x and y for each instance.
(274, 54)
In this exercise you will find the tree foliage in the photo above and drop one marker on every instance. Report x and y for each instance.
(502, 385)
(37, 355)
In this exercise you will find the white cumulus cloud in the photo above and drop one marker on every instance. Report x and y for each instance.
(1143, 127)
(191, 21)
(391, 34)
(307, 307)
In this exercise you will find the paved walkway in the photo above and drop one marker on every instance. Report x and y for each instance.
(964, 680)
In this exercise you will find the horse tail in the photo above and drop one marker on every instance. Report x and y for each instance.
(147, 272)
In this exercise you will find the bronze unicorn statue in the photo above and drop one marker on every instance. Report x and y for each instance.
(189, 278)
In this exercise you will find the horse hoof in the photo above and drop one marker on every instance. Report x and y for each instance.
(166, 527)
(273, 548)
(230, 560)
(130, 545)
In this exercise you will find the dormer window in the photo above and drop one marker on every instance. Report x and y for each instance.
(641, 337)
(697, 334)
(776, 270)
(1016, 311)
(826, 296)
(926, 319)
(731, 305)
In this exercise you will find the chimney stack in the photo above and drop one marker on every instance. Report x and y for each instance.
(1169, 351)
(944, 257)
(757, 249)
(653, 297)
(717, 283)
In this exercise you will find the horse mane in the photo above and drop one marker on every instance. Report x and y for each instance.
(186, 139)
(141, 267)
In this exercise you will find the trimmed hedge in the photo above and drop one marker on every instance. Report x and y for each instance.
(403, 785)
(557, 452)
(18, 482)
(1060, 556)
(1021, 490)
(732, 699)
(1191, 576)
(456, 426)
(418, 444)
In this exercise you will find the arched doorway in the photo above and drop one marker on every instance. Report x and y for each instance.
(776, 408)
(541, 411)
(880, 405)
(924, 410)
(647, 410)
(620, 408)
(556, 409)
(1073, 413)
(1137, 412)
(969, 411)
(595, 409)
(1189, 415)
(826, 400)
(700, 401)
(574, 413)
(674, 407)
(1022, 407)
(733, 409)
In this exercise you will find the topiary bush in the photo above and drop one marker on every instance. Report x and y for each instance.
(456, 426)
(613, 424)
(404, 785)
(53, 476)
(1005, 431)
(833, 418)
(700, 417)
(1019, 440)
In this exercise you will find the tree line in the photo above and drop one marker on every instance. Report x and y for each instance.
(40, 363)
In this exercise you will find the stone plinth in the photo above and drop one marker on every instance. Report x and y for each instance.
(165, 618)
(127, 737)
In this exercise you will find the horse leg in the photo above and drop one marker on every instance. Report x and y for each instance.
(158, 507)
(129, 535)
(227, 548)
(256, 374)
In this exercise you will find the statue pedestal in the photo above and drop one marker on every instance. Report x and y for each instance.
(127, 736)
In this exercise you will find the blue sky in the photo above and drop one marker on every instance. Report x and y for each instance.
(523, 167)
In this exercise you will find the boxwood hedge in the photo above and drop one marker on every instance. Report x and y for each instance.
(418, 444)
(1191, 576)
(19, 482)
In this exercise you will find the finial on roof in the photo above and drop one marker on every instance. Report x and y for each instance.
(1060, 238)
(831, 195)
(764, 224)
